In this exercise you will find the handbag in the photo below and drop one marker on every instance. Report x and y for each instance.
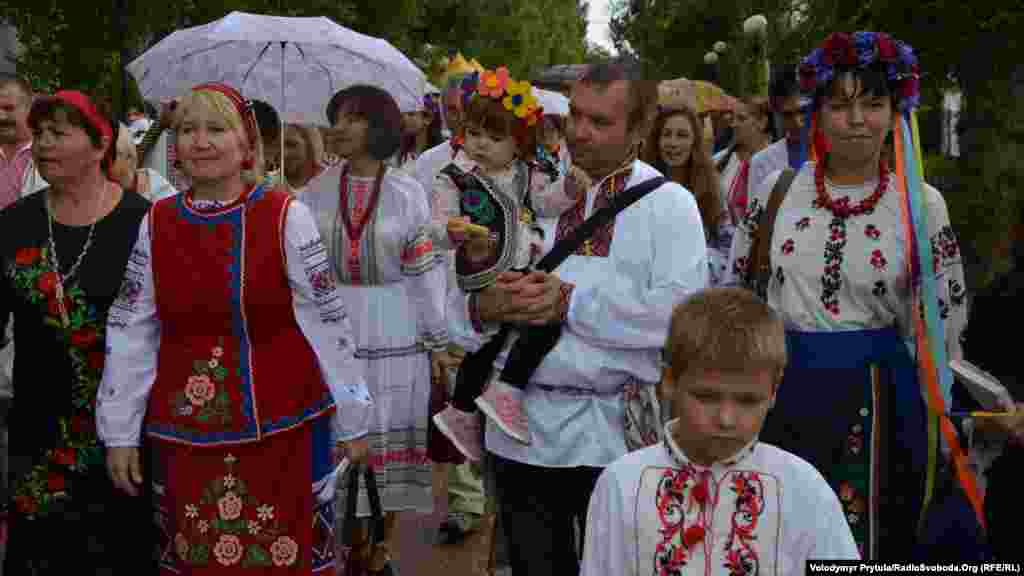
(759, 273)
(355, 551)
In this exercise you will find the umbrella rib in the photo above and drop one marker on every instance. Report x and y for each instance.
(245, 77)
(317, 62)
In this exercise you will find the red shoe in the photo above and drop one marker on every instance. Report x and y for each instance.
(462, 428)
(503, 403)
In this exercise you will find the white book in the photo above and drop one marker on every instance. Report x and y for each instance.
(982, 386)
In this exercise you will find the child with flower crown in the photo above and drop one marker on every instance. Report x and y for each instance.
(486, 201)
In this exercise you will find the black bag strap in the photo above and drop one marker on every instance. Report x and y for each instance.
(352, 526)
(569, 244)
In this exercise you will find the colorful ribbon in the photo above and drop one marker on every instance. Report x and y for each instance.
(929, 335)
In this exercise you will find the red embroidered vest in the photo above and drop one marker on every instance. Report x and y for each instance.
(233, 364)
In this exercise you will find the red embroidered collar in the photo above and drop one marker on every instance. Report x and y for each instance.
(841, 208)
(355, 228)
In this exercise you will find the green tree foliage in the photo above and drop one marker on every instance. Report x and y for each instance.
(77, 44)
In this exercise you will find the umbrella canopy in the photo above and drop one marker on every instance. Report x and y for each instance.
(294, 64)
(552, 102)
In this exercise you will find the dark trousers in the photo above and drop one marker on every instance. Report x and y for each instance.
(543, 512)
(524, 358)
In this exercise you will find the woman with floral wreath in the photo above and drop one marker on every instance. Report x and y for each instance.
(230, 336)
(851, 273)
(64, 252)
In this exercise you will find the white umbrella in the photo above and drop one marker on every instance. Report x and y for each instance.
(294, 64)
(552, 102)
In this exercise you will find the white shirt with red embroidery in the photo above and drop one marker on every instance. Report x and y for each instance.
(835, 275)
(764, 511)
(653, 255)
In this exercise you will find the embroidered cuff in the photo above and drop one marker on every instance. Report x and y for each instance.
(564, 298)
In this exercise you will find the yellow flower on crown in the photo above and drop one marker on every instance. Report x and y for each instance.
(520, 99)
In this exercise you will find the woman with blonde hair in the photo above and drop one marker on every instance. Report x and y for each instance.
(676, 147)
(303, 156)
(225, 281)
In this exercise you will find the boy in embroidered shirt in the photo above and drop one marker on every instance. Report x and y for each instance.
(711, 499)
(484, 203)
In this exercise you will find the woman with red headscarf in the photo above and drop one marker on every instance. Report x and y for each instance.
(230, 335)
(64, 252)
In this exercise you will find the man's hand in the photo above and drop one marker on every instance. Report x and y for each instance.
(125, 469)
(537, 301)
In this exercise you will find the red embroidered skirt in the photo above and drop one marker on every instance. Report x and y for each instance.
(246, 509)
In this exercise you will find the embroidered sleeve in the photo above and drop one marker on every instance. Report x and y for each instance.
(551, 196)
(321, 315)
(629, 313)
(609, 545)
(427, 275)
(949, 272)
(737, 271)
(444, 204)
(133, 340)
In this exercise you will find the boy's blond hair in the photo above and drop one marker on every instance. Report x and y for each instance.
(725, 329)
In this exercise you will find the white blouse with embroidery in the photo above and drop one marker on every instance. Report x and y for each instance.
(765, 511)
(133, 337)
(653, 256)
(831, 274)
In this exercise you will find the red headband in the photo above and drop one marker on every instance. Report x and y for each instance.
(243, 106)
(85, 107)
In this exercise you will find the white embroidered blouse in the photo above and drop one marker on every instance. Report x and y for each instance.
(833, 275)
(654, 255)
(764, 511)
(133, 338)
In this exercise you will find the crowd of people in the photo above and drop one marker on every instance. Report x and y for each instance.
(649, 351)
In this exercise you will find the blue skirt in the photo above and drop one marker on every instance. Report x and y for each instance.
(850, 404)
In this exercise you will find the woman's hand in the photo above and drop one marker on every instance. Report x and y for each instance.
(125, 469)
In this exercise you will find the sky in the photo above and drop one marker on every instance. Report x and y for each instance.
(597, 24)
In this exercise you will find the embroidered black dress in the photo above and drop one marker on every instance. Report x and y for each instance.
(66, 516)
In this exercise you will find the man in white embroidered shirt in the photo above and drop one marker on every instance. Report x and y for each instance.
(613, 297)
(711, 499)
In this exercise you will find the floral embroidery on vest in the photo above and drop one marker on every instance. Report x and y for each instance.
(204, 395)
(235, 527)
(77, 448)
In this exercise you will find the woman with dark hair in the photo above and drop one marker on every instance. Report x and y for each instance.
(375, 221)
(64, 252)
(842, 276)
(421, 131)
(675, 148)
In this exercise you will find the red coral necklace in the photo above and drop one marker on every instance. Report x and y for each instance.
(841, 208)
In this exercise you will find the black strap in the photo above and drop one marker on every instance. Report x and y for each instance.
(569, 244)
(352, 526)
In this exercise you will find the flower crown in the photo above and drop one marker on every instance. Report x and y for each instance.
(858, 51)
(516, 97)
